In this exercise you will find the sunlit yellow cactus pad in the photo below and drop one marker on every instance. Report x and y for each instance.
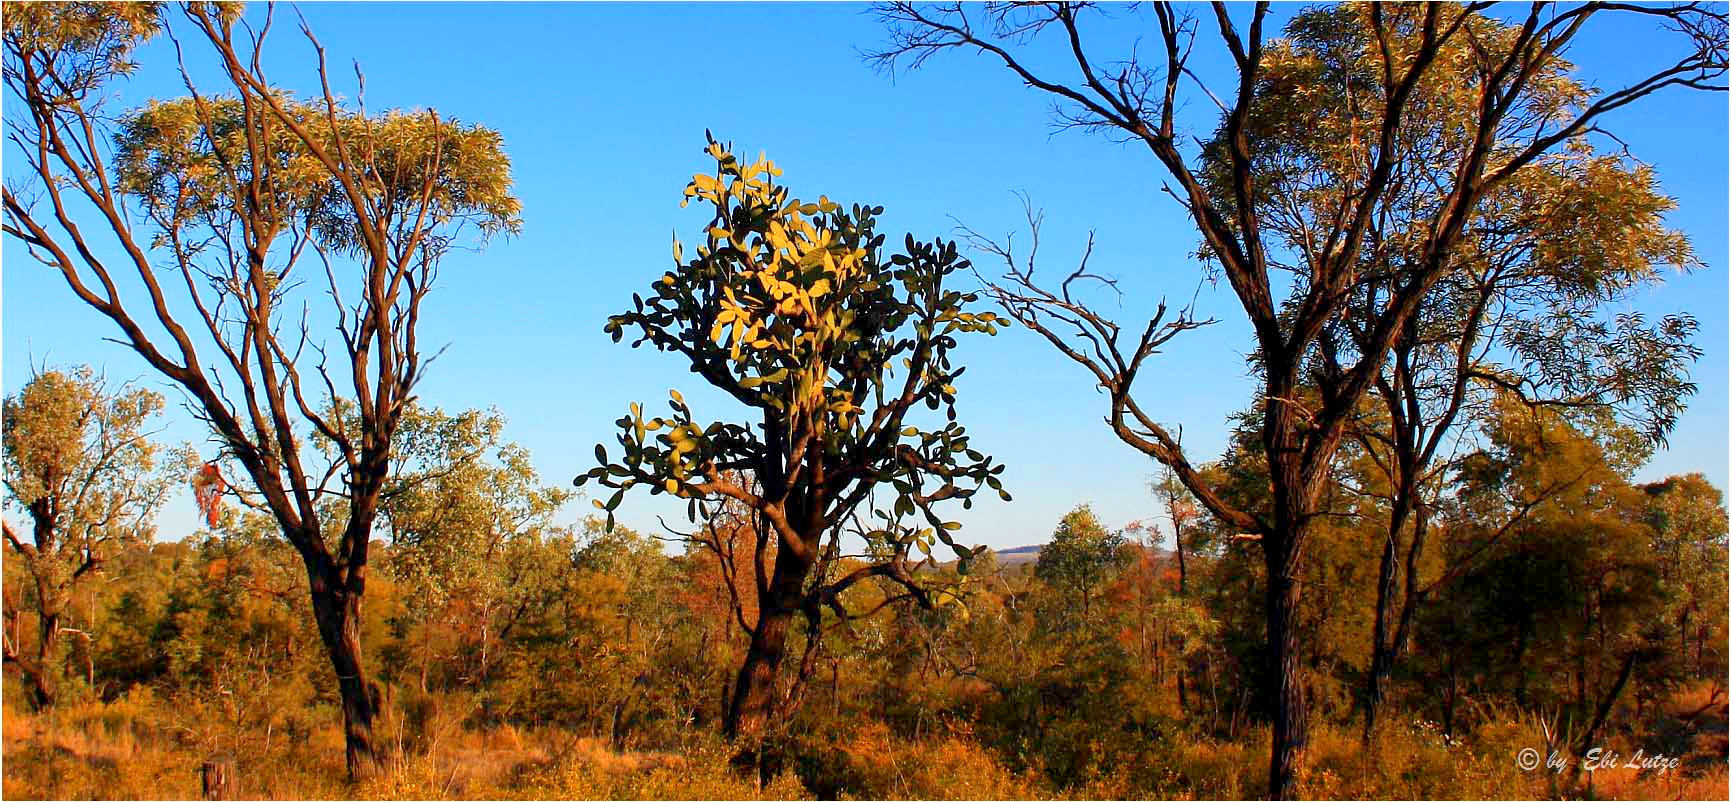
(794, 309)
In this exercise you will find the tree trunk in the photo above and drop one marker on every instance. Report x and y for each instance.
(1451, 696)
(754, 688)
(338, 612)
(1295, 478)
(1183, 667)
(217, 778)
(1381, 649)
(1178, 549)
(1683, 639)
(753, 701)
(753, 706)
(45, 672)
(47, 664)
(1290, 711)
(1604, 711)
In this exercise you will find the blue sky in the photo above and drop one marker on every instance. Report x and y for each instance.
(603, 107)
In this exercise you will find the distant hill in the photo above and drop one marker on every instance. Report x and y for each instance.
(1028, 555)
(1020, 555)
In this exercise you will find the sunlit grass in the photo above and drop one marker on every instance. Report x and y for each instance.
(141, 746)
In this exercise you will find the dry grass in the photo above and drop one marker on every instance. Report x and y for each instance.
(142, 747)
(133, 749)
(138, 749)
(875, 764)
(481, 767)
(1416, 762)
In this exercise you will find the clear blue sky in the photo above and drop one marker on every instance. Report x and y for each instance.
(603, 108)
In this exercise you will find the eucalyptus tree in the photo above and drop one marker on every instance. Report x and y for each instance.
(80, 463)
(1690, 533)
(1521, 307)
(207, 228)
(1508, 99)
(1527, 315)
(462, 507)
(1562, 601)
(1081, 556)
(1182, 512)
(795, 311)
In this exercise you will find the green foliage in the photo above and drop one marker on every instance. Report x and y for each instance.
(76, 445)
(1544, 255)
(1081, 555)
(206, 163)
(1687, 516)
(232, 189)
(89, 43)
(460, 499)
(79, 463)
(605, 671)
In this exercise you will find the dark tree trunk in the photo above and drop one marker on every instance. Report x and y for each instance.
(1451, 696)
(1290, 711)
(1519, 658)
(1385, 646)
(41, 675)
(1296, 466)
(754, 688)
(1183, 704)
(338, 612)
(1183, 591)
(1683, 636)
(1178, 549)
(43, 672)
(753, 701)
(1413, 450)
(1604, 711)
(1381, 660)
(217, 778)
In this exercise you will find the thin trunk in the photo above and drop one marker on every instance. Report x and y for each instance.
(1683, 636)
(1382, 646)
(47, 668)
(1213, 695)
(1519, 658)
(1413, 450)
(1451, 696)
(1381, 661)
(1183, 592)
(1178, 549)
(1700, 647)
(481, 675)
(1604, 712)
(807, 662)
(338, 612)
(426, 657)
(1183, 704)
(41, 675)
(1290, 711)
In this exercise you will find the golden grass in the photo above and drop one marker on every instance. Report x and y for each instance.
(142, 747)
(137, 749)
